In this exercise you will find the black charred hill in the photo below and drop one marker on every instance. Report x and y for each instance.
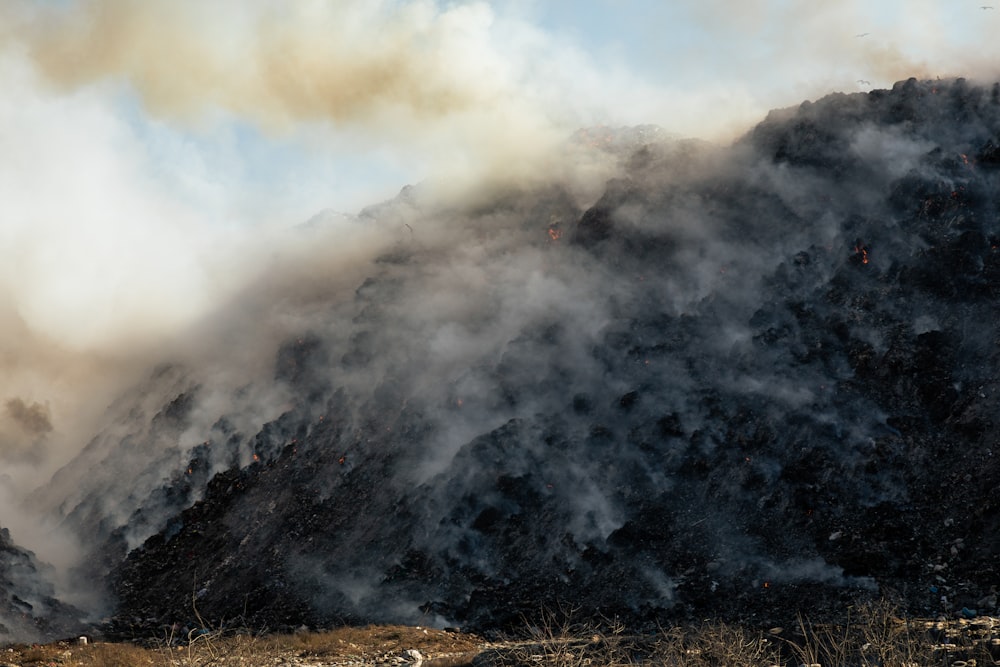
(748, 382)
(28, 606)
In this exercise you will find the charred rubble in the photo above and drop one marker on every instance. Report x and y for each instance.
(769, 385)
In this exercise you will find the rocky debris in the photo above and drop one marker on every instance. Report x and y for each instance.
(747, 382)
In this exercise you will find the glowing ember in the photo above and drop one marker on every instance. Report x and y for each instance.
(862, 251)
(554, 233)
(256, 458)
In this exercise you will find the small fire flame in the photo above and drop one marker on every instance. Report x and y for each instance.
(861, 250)
(554, 233)
(256, 458)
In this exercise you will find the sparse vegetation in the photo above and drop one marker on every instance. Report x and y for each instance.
(872, 636)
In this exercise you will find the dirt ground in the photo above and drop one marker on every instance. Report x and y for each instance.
(877, 637)
(383, 645)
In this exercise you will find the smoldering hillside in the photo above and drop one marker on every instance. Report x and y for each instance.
(747, 382)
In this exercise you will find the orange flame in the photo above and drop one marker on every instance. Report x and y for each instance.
(554, 233)
(863, 251)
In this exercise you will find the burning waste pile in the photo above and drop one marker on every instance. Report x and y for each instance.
(748, 381)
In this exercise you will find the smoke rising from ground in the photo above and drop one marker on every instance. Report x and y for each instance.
(130, 242)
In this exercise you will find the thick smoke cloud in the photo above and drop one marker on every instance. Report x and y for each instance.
(23, 431)
(636, 389)
(34, 419)
(278, 64)
(129, 248)
(430, 78)
(122, 230)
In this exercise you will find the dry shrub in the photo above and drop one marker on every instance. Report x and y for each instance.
(714, 644)
(561, 640)
(875, 635)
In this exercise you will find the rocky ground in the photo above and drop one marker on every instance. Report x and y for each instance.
(384, 645)
(874, 639)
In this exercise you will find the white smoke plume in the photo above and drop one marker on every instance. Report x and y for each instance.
(134, 231)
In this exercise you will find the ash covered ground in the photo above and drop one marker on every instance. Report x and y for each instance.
(749, 381)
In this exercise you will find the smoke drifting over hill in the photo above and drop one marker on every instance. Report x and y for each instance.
(652, 376)
(727, 383)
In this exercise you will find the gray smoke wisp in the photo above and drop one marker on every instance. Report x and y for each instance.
(652, 398)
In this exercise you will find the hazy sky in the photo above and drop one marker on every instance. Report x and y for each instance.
(153, 152)
(164, 75)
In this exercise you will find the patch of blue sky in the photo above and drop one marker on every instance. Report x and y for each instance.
(237, 174)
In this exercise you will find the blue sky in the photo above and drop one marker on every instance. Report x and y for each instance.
(708, 68)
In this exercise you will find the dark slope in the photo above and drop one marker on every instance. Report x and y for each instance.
(28, 607)
(746, 382)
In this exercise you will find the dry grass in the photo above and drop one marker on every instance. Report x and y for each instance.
(715, 644)
(876, 636)
(873, 636)
(377, 642)
(374, 644)
(92, 655)
(560, 641)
